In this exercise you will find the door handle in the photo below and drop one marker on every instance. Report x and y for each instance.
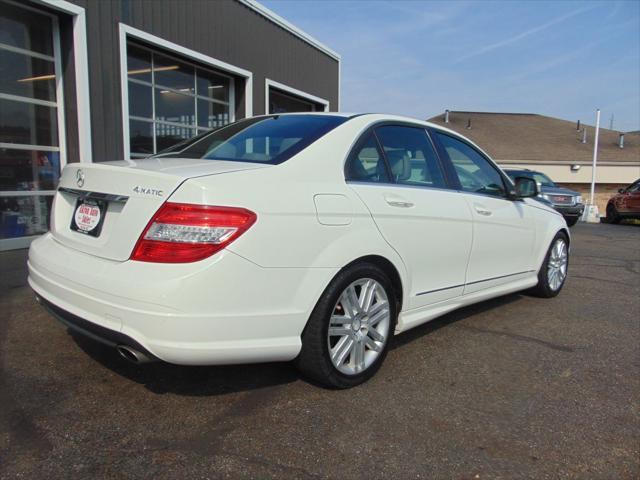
(397, 202)
(483, 211)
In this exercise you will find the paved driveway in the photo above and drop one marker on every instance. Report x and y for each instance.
(517, 387)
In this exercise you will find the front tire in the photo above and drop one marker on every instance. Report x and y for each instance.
(554, 269)
(348, 333)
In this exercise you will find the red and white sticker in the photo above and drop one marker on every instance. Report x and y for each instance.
(87, 217)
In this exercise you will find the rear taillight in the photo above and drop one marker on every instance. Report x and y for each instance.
(182, 232)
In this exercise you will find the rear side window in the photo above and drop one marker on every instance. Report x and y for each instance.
(366, 164)
(272, 139)
(412, 159)
(475, 172)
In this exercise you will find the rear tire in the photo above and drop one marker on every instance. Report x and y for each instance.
(360, 308)
(554, 269)
(612, 214)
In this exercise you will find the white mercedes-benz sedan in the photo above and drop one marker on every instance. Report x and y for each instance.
(307, 237)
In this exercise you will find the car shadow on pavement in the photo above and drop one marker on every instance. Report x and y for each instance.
(164, 377)
(161, 377)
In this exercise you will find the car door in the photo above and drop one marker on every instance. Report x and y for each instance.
(395, 170)
(503, 229)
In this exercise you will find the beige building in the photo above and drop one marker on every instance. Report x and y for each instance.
(562, 150)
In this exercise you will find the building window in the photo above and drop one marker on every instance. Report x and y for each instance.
(171, 100)
(30, 131)
(280, 102)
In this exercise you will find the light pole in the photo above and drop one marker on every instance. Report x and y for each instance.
(591, 212)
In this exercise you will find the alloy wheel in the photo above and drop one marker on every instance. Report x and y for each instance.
(359, 326)
(558, 262)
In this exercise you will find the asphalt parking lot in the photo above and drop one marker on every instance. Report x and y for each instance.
(517, 387)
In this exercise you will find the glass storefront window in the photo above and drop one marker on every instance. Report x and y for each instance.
(281, 103)
(174, 107)
(28, 170)
(138, 63)
(25, 29)
(168, 135)
(212, 115)
(30, 156)
(140, 103)
(28, 123)
(213, 86)
(27, 76)
(173, 74)
(141, 135)
(171, 100)
(24, 216)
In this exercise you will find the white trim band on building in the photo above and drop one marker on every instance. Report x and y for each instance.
(81, 73)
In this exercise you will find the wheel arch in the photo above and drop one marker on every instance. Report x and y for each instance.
(389, 269)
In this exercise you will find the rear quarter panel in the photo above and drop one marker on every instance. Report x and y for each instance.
(288, 232)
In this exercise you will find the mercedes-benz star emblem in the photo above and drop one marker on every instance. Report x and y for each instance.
(80, 178)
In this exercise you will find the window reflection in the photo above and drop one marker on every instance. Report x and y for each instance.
(27, 76)
(27, 123)
(29, 170)
(25, 29)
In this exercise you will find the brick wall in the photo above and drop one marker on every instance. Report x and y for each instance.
(603, 192)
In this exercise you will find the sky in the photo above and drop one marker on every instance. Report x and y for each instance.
(563, 58)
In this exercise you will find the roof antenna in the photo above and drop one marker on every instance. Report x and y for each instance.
(469, 124)
(446, 116)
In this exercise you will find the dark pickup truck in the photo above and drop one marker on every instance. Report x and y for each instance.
(568, 202)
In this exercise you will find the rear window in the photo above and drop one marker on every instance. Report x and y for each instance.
(272, 139)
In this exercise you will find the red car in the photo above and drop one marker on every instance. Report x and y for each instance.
(626, 204)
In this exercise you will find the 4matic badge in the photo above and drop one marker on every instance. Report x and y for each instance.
(148, 191)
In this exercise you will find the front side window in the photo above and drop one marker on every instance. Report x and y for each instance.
(261, 140)
(366, 164)
(171, 100)
(634, 188)
(475, 172)
(412, 159)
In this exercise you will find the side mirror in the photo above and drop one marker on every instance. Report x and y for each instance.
(621, 190)
(526, 187)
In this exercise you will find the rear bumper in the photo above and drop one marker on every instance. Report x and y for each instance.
(219, 311)
(94, 331)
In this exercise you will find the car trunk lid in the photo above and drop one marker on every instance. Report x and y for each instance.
(126, 195)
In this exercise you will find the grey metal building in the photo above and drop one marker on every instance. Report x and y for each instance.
(97, 80)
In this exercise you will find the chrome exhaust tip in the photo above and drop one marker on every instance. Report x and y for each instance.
(132, 355)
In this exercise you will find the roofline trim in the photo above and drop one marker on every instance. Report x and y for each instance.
(291, 28)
